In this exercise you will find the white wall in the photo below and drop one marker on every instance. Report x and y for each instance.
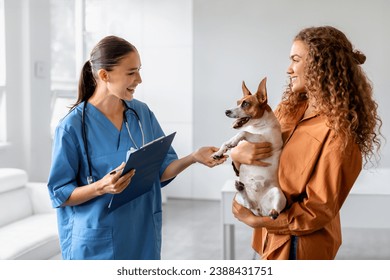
(166, 53)
(250, 39)
(27, 26)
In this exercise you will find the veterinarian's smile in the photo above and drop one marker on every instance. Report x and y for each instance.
(131, 90)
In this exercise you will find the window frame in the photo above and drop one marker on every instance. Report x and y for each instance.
(67, 88)
(3, 116)
(3, 100)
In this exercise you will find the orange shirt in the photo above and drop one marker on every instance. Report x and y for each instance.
(316, 178)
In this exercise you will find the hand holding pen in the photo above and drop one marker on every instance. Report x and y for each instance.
(113, 182)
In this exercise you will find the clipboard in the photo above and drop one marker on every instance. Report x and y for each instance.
(147, 162)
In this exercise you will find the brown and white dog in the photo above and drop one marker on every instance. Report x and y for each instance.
(258, 187)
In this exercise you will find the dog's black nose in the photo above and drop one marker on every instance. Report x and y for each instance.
(228, 112)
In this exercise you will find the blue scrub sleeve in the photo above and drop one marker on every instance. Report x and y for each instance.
(63, 173)
(171, 156)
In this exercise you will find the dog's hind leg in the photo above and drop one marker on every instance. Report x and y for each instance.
(275, 200)
(274, 214)
(243, 198)
(239, 186)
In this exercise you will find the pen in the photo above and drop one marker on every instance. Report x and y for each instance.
(115, 171)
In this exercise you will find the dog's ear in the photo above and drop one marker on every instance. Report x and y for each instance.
(245, 90)
(262, 91)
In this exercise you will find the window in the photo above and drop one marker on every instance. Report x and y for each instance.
(3, 113)
(65, 55)
(77, 25)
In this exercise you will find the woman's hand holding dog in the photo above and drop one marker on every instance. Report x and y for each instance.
(251, 153)
(246, 216)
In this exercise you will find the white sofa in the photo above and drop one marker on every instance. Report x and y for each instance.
(28, 227)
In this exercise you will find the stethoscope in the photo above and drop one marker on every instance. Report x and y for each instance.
(84, 135)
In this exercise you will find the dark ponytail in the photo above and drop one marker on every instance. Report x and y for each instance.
(105, 55)
(87, 84)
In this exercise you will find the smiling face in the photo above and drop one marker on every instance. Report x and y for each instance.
(123, 79)
(296, 70)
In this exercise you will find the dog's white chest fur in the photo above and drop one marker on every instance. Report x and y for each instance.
(264, 133)
(263, 194)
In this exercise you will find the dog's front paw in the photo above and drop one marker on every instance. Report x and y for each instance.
(217, 155)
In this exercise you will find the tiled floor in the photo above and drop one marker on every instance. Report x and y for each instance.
(192, 230)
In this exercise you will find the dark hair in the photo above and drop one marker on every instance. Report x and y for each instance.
(105, 55)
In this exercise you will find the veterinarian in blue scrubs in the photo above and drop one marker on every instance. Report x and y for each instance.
(90, 145)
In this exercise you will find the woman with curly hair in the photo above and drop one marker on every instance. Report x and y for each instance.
(330, 127)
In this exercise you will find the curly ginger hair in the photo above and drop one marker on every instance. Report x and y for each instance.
(343, 93)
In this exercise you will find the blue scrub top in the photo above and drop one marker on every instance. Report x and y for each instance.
(89, 230)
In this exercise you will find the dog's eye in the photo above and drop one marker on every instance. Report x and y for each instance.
(244, 104)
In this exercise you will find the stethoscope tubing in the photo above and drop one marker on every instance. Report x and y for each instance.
(84, 135)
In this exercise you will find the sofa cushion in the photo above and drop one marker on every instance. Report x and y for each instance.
(40, 198)
(15, 205)
(12, 178)
(35, 237)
